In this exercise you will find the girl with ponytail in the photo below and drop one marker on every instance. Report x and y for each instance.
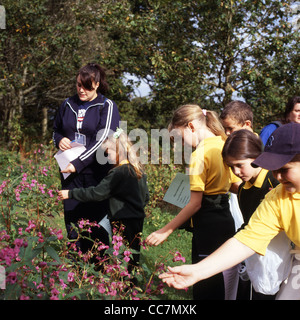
(125, 187)
(210, 181)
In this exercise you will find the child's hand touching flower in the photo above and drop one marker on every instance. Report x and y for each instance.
(63, 194)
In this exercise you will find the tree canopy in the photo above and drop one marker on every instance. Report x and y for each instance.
(207, 52)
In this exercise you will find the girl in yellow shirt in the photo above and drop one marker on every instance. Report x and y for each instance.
(210, 181)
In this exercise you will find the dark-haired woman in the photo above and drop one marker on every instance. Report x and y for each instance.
(291, 114)
(82, 116)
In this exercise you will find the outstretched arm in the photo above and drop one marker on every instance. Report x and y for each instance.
(228, 255)
(157, 237)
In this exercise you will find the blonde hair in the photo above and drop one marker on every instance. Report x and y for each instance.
(189, 112)
(121, 143)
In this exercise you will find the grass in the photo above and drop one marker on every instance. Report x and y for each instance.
(179, 240)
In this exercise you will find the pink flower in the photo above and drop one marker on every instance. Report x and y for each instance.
(41, 188)
(62, 284)
(50, 192)
(101, 288)
(51, 282)
(17, 196)
(31, 225)
(41, 239)
(44, 171)
(3, 185)
(127, 253)
(124, 274)
(144, 245)
(59, 235)
(102, 247)
(71, 276)
(20, 243)
(11, 277)
(54, 294)
(42, 264)
(178, 257)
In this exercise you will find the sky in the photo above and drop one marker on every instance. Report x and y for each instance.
(141, 90)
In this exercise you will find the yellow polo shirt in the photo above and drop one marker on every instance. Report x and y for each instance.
(208, 172)
(258, 181)
(279, 211)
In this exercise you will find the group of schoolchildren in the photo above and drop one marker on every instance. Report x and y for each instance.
(269, 204)
(220, 166)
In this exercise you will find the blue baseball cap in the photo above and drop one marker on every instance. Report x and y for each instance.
(282, 146)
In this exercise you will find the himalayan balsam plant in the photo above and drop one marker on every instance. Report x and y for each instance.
(40, 263)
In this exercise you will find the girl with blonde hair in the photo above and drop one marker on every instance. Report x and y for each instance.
(125, 187)
(210, 181)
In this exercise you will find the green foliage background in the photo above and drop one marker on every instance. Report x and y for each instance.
(205, 52)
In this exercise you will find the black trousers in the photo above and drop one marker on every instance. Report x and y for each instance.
(75, 211)
(213, 225)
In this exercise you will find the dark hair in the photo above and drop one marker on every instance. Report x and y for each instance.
(242, 144)
(237, 110)
(290, 106)
(90, 73)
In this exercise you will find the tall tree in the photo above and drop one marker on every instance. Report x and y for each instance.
(207, 51)
(44, 44)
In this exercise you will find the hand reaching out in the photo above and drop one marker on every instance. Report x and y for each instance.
(180, 277)
(157, 237)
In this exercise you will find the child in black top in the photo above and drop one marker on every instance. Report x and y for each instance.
(240, 149)
(125, 187)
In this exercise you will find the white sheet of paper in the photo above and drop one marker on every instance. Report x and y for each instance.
(63, 158)
(179, 193)
(106, 225)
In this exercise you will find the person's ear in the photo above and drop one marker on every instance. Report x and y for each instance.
(248, 124)
(191, 126)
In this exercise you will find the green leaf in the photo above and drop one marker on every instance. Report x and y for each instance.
(52, 253)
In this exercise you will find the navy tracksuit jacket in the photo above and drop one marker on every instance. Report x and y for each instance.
(101, 116)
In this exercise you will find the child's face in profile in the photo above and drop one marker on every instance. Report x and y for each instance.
(230, 125)
(114, 156)
(289, 176)
(187, 135)
(111, 155)
(242, 168)
(110, 148)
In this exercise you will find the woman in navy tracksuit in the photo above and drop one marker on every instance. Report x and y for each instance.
(87, 113)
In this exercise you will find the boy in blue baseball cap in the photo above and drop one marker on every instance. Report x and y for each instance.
(279, 211)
